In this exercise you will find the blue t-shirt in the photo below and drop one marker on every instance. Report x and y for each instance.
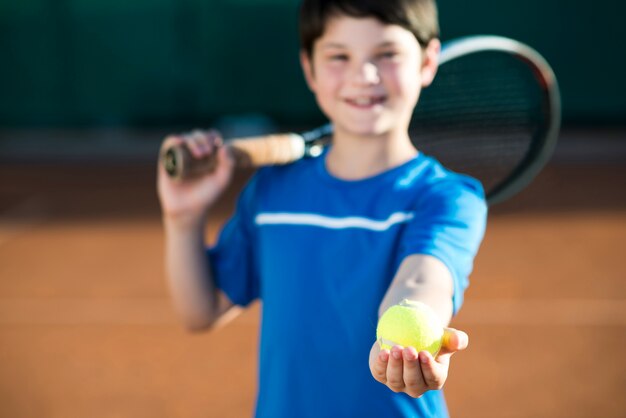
(320, 253)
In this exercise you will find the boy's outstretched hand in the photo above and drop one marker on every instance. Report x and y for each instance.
(403, 369)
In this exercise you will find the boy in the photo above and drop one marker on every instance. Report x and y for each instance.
(328, 244)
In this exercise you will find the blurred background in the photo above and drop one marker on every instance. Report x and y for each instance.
(88, 89)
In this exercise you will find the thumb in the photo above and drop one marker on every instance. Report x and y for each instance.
(453, 341)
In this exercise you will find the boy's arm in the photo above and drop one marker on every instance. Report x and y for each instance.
(426, 279)
(184, 206)
(198, 301)
(422, 278)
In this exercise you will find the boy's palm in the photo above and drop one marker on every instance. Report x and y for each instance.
(406, 370)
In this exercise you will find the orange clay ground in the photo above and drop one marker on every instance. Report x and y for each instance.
(87, 330)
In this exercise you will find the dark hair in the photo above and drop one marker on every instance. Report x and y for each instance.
(417, 16)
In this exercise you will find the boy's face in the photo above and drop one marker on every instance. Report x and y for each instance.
(367, 76)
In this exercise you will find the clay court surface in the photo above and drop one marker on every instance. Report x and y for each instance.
(87, 330)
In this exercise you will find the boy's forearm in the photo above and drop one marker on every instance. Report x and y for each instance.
(425, 279)
(189, 274)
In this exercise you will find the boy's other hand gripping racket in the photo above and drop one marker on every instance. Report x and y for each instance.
(492, 112)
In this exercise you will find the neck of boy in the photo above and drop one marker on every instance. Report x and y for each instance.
(356, 157)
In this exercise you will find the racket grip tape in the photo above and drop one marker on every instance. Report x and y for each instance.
(180, 164)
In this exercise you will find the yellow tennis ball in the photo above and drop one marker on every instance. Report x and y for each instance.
(412, 324)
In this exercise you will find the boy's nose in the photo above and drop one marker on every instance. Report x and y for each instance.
(366, 73)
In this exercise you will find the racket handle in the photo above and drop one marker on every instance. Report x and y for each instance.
(257, 151)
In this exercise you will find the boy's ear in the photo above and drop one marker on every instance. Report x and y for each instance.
(430, 62)
(307, 69)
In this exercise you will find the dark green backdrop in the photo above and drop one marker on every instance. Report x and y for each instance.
(164, 62)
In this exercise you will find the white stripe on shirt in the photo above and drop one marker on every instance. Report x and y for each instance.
(312, 219)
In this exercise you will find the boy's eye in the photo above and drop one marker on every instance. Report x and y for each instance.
(339, 57)
(388, 54)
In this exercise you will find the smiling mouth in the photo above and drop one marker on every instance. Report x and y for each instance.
(366, 102)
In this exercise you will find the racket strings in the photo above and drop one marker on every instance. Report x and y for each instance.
(481, 116)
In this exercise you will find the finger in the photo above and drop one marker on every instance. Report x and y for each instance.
(453, 341)
(412, 373)
(215, 137)
(395, 381)
(210, 142)
(198, 144)
(379, 366)
(435, 374)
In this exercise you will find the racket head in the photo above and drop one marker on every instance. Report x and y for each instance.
(493, 112)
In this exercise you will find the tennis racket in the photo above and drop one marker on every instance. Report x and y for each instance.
(493, 112)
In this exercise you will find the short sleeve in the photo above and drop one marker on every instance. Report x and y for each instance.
(449, 224)
(233, 259)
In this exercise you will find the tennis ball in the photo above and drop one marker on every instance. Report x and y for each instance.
(412, 324)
